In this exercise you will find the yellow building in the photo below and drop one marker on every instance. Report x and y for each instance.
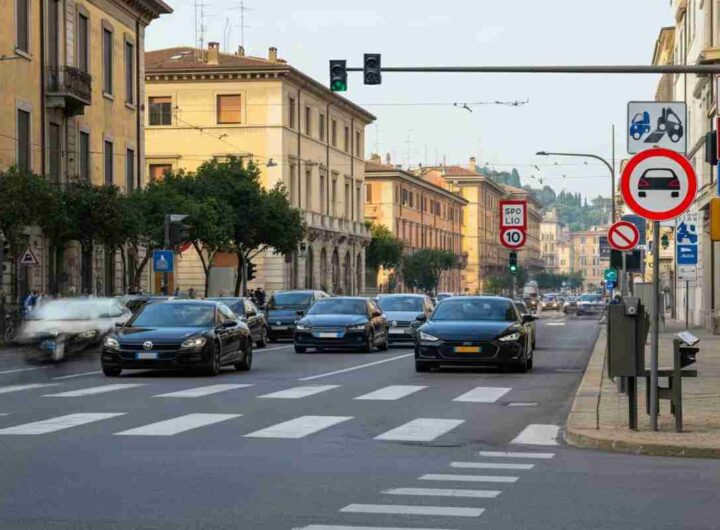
(204, 104)
(550, 240)
(420, 210)
(71, 81)
(586, 256)
(529, 256)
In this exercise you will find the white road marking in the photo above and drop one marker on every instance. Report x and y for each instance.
(17, 388)
(201, 391)
(469, 478)
(95, 390)
(23, 370)
(493, 465)
(437, 492)
(299, 427)
(502, 454)
(345, 527)
(483, 394)
(77, 375)
(420, 430)
(258, 350)
(359, 367)
(536, 434)
(391, 393)
(59, 423)
(299, 392)
(399, 509)
(569, 370)
(555, 324)
(177, 425)
(522, 404)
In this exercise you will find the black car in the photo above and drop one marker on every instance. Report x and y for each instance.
(342, 323)
(659, 179)
(135, 302)
(475, 331)
(281, 311)
(248, 312)
(179, 334)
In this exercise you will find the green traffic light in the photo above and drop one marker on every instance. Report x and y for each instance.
(339, 86)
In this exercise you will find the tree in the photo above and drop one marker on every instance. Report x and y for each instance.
(422, 270)
(502, 284)
(385, 250)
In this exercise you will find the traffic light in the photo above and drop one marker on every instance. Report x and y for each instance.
(338, 75)
(251, 271)
(711, 154)
(372, 72)
(179, 233)
(665, 241)
(513, 264)
(688, 355)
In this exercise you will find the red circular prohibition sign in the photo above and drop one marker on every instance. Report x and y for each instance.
(623, 244)
(649, 214)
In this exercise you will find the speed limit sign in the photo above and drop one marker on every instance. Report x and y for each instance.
(513, 237)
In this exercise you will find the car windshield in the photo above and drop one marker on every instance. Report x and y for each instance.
(339, 306)
(235, 304)
(401, 303)
(289, 300)
(172, 315)
(87, 309)
(522, 307)
(469, 309)
(590, 298)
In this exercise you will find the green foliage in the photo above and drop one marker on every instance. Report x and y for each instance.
(385, 250)
(554, 282)
(422, 269)
(24, 197)
(502, 284)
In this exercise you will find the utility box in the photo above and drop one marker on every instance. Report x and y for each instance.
(628, 326)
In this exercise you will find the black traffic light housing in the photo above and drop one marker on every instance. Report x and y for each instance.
(251, 270)
(513, 263)
(179, 233)
(688, 355)
(372, 73)
(711, 154)
(338, 75)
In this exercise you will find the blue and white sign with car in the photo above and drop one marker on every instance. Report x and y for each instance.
(686, 245)
(657, 124)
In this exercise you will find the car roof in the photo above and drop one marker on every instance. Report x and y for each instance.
(365, 298)
(188, 301)
(396, 295)
(223, 298)
(305, 291)
(482, 297)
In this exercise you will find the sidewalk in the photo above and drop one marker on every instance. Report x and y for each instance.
(599, 415)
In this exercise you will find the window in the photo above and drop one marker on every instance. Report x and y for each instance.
(228, 108)
(333, 197)
(321, 124)
(348, 199)
(22, 20)
(23, 135)
(109, 177)
(53, 34)
(323, 194)
(83, 36)
(291, 185)
(157, 171)
(308, 121)
(129, 171)
(291, 110)
(357, 143)
(54, 153)
(346, 143)
(84, 156)
(368, 193)
(308, 188)
(358, 203)
(160, 110)
(107, 61)
(129, 73)
(333, 133)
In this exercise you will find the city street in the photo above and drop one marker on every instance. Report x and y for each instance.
(327, 441)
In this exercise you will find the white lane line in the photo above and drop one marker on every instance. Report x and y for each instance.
(391, 393)
(299, 392)
(23, 370)
(468, 478)
(201, 391)
(359, 367)
(76, 375)
(437, 492)
(537, 434)
(17, 388)
(258, 350)
(420, 430)
(522, 404)
(505, 454)
(58, 424)
(299, 427)
(483, 394)
(555, 324)
(345, 527)
(177, 425)
(95, 390)
(493, 465)
(399, 509)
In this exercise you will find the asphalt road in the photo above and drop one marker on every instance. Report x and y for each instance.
(332, 441)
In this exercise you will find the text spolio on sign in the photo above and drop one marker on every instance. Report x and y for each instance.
(513, 214)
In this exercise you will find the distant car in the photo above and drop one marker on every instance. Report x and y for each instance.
(590, 303)
(344, 322)
(248, 312)
(550, 302)
(281, 311)
(570, 305)
(525, 310)
(401, 311)
(659, 179)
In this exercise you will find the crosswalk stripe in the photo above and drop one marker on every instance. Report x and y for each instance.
(420, 430)
(399, 509)
(95, 390)
(201, 391)
(17, 388)
(71, 376)
(299, 427)
(469, 478)
(177, 425)
(503, 454)
(345, 527)
(537, 434)
(485, 465)
(391, 393)
(299, 392)
(59, 423)
(483, 394)
(437, 492)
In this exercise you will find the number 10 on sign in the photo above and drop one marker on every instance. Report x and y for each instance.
(513, 238)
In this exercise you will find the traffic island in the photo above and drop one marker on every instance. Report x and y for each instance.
(599, 417)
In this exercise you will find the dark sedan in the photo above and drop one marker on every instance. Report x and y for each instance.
(247, 312)
(475, 331)
(281, 311)
(342, 323)
(179, 334)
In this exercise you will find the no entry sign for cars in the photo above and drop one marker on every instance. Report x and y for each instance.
(623, 236)
(658, 184)
(512, 238)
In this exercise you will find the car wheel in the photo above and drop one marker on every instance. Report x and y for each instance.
(213, 366)
(246, 363)
(111, 372)
(422, 367)
(263, 338)
(384, 345)
(370, 345)
(522, 366)
(300, 349)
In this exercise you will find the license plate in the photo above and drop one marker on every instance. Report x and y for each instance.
(146, 355)
(394, 331)
(48, 345)
(281, 328)
(329, 335)
(468, 349)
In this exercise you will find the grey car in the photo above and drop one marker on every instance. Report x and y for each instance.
(401, 311)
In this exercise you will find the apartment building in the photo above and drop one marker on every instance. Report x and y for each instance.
(586, 256)
(550, 239)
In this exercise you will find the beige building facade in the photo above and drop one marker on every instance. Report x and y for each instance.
(585, 256)
(550, 241)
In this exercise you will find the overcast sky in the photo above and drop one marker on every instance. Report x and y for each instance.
(564, 113)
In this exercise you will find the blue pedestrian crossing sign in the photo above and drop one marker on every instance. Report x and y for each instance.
(163, 260)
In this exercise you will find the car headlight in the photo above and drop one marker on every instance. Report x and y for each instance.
(426, 337)
(302, 327)
(196, 342)
(111, 343)
(509, 338)
(88, 334)
(357, 327)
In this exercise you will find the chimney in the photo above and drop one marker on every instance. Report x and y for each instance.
(473, 163)
(240, 51)
(375, 158)
(213, 57)
(388, 160)
(272, 54)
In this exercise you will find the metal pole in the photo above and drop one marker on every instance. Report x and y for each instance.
(166, 246)
(697, 69)
(687, 304)
(624, 275)
(612, 178)
(655, 333)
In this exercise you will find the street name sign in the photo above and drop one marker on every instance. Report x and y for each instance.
(513, 214)
(623, 236)
(686, 245)
(513, 238)
(657, 124)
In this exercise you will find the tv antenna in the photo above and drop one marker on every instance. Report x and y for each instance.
(243, 8)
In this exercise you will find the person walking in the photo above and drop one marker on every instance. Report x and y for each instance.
(260, 296)
(30, 302)
(191, 293)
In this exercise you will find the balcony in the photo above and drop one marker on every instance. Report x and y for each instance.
(336, 224)
(69, 88)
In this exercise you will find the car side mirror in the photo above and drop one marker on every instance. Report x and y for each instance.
(528, 318)
(421, 318)
(229, 324)
(300, 312)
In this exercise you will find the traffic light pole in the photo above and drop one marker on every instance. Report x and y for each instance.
(166, 246)
(655, 322)
(697, 69)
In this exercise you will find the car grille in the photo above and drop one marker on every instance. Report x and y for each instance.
(328, 330)
(135, 347)
(402, 323)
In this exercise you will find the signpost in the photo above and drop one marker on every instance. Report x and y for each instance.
(623, 236)
(513, 227)
(657, 124)
(686, 253)
(513, 238)
(28, 258)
